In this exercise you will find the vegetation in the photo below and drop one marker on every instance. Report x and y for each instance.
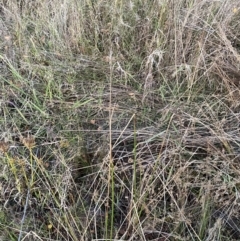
(119, 120)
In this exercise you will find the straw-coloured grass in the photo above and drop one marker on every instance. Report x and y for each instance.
(119, 120)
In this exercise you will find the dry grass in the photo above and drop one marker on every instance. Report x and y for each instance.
(119, 120)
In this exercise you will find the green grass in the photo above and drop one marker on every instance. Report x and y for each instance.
(119, 120)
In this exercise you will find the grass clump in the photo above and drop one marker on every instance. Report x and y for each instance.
(119, 120)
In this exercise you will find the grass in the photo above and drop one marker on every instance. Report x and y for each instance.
(119, 120)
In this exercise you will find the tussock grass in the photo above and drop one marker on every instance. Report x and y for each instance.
(119, 120)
